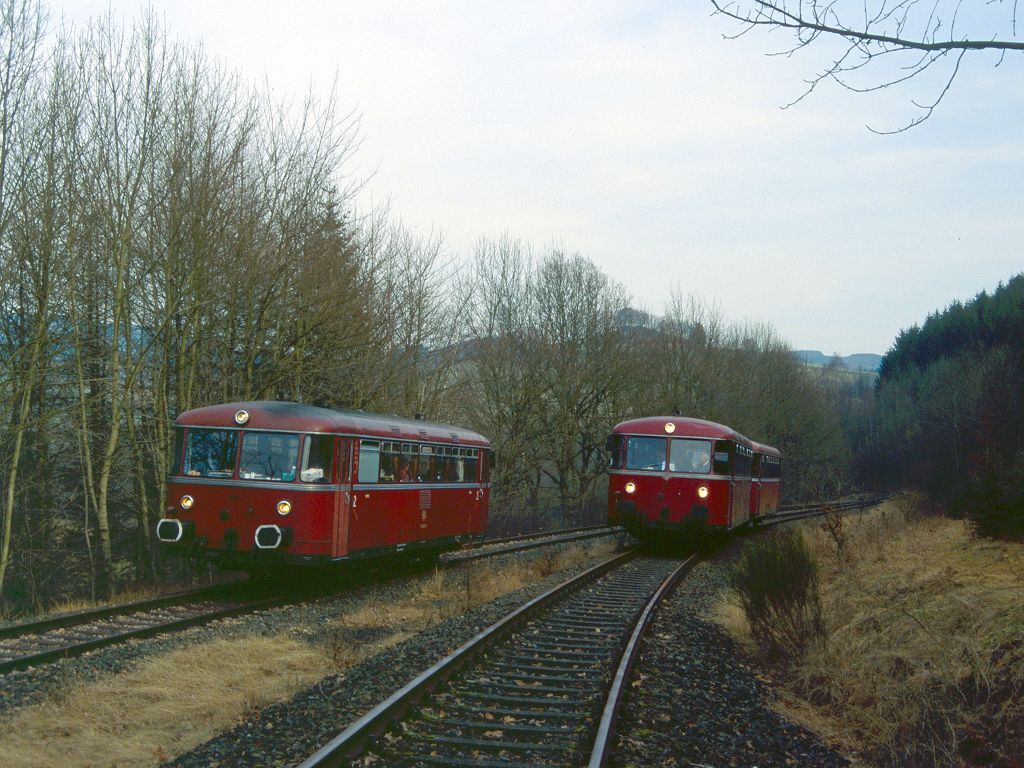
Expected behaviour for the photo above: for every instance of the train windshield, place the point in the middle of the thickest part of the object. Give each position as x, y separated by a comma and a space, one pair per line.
645, 453
690, 456
211, 452
269, 456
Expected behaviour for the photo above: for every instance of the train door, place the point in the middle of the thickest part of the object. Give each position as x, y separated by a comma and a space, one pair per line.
343, 495
756, 490
724, 468
478, 522
741, 486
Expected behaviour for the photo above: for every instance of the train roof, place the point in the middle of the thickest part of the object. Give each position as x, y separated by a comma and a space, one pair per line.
299, 417
767, 450
680, 427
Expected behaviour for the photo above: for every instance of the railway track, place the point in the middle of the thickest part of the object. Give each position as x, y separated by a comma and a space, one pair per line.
539, 688
30, 644
492, 547
793, 512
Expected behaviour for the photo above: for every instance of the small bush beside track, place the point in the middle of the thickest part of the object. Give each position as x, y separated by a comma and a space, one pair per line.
776, 583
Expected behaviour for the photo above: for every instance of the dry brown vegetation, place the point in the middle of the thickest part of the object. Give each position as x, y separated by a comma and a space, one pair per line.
146, 716
923, 664
167, 705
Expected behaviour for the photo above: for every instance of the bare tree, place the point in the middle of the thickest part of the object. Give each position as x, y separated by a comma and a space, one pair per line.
27, 309
503, 380
583, 367
902, 38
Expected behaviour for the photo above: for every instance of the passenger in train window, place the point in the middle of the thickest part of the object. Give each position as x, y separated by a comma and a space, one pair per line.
387, 465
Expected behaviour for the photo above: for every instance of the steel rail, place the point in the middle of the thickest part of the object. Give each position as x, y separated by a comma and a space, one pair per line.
531, 541
606, 729
553, 532
816, 510
66, 620
31, 632
352, 741
80, 647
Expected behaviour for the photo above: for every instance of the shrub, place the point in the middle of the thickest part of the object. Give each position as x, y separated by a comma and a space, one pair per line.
776, 582
996, 501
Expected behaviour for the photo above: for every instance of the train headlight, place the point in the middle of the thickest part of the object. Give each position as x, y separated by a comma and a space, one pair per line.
241, 417
703, 491
284, 508
186, 502
670, 427
630, 487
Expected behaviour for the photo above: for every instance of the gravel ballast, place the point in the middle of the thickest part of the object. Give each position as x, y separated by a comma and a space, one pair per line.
287, 733
695, 698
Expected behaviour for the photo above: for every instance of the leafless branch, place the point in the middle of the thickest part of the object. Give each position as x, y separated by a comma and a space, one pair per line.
877, 30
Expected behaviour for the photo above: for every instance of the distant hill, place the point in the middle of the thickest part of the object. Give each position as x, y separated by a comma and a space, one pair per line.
864, 361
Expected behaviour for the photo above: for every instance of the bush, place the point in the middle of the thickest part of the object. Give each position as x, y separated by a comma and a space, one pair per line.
776, 582
996, 502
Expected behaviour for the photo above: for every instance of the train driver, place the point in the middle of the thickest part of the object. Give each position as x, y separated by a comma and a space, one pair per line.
700, 460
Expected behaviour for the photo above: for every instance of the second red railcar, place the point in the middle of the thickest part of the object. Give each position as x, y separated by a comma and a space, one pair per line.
674, 475
766, 481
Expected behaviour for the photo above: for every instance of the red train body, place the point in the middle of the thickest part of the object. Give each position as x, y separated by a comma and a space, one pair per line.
765, 481
674, 475
256, 483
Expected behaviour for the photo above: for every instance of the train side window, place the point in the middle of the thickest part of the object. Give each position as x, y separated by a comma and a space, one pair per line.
756, 466
317, 456
344, 468
179, 446
389, 453
472, 460
456, 466
407, 464
723, 457
743, 457
369, 461
487, 465
616, 448
427, 464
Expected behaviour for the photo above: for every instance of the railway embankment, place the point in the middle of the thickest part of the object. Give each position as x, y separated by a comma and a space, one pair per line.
922, 658
265, 688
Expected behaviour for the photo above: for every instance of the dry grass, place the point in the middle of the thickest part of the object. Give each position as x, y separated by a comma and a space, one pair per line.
923, 662
166, 706
129, 594
176, 701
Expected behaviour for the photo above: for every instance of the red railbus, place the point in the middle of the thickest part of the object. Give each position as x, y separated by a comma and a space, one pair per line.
670, 474
255, 483
766, 481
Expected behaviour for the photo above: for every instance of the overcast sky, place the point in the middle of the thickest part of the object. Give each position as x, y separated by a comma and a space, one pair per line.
633, 133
